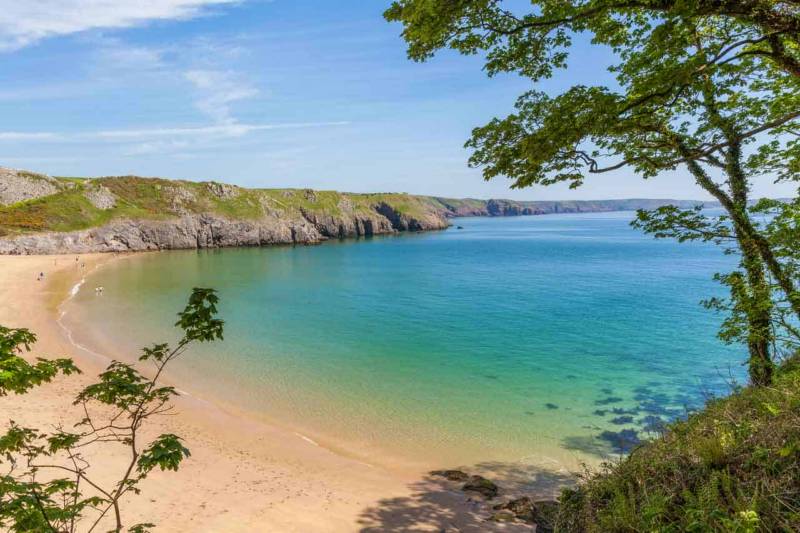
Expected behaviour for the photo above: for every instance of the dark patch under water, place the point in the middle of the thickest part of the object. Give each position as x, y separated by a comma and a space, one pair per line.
606, 401
620, 420
622, 411
656, 408
621, 441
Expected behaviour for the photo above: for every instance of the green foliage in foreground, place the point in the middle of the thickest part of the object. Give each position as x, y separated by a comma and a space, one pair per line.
734, 466
46, 479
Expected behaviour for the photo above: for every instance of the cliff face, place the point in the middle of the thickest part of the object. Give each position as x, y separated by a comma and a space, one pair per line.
44, 215
206, 231
134, 214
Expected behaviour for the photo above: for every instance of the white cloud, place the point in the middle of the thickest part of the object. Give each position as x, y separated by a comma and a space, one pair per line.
23, 22
218, 89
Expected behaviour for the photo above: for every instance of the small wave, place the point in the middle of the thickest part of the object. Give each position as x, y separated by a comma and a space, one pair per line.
62, 312
307, 439
76, 288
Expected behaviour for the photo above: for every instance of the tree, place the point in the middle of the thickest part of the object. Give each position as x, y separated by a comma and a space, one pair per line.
48, 484
711, 87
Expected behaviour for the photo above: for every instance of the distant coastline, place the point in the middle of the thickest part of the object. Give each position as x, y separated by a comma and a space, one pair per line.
43, 215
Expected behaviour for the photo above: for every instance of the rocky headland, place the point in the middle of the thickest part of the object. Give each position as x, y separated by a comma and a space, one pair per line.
48, 215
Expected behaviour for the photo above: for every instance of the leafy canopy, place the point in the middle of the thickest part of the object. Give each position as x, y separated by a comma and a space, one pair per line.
669, 57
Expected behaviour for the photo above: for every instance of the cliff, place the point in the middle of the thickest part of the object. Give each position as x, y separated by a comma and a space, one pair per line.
45, 215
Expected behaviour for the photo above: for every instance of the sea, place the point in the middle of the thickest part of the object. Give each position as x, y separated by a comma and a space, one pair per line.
556, 341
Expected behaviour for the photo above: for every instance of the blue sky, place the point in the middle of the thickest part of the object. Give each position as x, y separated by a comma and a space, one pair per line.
281, 93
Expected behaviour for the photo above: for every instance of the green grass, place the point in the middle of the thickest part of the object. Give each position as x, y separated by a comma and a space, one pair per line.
319, 202
246, 205
67, 210
408, 204
734, 466
75, 180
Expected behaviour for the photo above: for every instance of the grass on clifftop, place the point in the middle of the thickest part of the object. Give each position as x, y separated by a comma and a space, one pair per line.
64, 211
732, 467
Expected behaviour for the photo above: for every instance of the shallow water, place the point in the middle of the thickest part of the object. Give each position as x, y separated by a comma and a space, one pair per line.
548, 340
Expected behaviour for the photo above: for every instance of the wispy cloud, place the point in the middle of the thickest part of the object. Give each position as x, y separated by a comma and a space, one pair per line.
217, 90
213, 131
28, 136
115, 55
221, 130
23, 22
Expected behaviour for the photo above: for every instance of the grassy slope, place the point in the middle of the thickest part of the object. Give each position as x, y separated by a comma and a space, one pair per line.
149, 198
734, 466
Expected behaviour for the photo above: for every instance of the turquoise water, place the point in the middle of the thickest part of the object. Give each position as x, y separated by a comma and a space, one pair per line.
551, 339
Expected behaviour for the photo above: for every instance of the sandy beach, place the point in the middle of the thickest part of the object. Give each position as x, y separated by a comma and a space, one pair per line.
243, 475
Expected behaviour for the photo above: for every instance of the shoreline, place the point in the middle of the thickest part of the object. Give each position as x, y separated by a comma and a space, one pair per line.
239, 398
197, 397
244, 474
220, 443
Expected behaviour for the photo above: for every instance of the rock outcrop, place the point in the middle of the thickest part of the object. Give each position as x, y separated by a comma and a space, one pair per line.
19, 185
101, 197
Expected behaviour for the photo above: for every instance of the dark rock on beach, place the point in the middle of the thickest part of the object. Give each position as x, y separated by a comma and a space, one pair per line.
451, 475
521, 509
486, 488
525, 509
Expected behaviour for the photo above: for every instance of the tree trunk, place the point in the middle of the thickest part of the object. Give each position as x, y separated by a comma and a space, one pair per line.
759, 310
756, 299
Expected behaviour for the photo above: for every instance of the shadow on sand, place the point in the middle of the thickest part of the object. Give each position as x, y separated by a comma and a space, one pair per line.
439, 505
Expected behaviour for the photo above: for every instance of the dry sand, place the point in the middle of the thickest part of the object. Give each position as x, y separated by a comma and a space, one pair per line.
242, 475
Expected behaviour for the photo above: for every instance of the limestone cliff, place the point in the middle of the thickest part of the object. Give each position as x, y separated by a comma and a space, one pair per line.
44, 215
